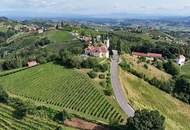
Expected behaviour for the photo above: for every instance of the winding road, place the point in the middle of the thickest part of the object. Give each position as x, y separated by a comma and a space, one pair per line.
120, 97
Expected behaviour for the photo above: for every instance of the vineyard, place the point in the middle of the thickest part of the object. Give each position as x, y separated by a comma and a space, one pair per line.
63, 88
28, 123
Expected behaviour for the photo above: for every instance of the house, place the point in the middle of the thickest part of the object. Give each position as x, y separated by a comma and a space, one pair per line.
86, 38
156, 55
40, 31
100, 50
180, 60
32, 63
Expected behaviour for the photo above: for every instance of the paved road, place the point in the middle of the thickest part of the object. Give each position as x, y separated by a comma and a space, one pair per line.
118, 88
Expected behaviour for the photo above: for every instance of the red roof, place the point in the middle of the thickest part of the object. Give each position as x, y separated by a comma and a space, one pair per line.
154, 54
147, 54
95, 49
139, 53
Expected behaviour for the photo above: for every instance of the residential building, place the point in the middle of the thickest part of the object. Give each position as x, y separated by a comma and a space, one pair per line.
180, 60
32, 63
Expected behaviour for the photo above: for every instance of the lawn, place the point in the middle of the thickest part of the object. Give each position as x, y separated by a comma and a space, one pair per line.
8, 122
151, 72
142, 95
61, 88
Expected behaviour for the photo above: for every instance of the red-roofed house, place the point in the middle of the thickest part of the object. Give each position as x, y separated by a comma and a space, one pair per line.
147, 54
101, 50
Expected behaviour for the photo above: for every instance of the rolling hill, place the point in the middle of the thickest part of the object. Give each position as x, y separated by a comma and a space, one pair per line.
142, 95
61, 88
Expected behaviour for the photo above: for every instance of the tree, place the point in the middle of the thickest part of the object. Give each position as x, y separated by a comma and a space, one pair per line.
57, 27
172, 68
119, 48
146, 120
92, 74
62, 24
20, 110
3, 95
62, 116
182, 89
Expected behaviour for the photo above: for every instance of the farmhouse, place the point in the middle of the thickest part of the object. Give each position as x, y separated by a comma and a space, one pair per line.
147, 54
180, 60
86, 38
98, 50
32, 63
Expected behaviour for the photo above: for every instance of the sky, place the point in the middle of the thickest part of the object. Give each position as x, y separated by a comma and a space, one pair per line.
94, 7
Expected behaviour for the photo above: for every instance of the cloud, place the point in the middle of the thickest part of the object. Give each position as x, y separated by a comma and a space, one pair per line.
94, 6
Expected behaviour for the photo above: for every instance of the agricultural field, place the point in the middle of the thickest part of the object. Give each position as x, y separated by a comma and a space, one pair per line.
150, 72
60, 88
185, 70
58, 36
142, 95
8, 122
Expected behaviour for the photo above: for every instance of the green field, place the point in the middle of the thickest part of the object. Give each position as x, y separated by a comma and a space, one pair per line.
185, 70
8, 122
58, 36
61, 88
142, 95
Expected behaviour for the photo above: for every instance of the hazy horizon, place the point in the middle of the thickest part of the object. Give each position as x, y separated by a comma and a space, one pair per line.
49, 8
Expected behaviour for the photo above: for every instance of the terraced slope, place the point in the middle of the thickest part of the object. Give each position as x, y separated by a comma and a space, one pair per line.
143, 95
63, 89
7, 122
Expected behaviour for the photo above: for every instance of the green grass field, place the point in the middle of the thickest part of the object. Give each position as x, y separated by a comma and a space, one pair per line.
185, 70
8, 122
61, 88
142, 95
58, 36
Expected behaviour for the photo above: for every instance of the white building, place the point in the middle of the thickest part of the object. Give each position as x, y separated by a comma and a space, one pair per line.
180, 60
40, 31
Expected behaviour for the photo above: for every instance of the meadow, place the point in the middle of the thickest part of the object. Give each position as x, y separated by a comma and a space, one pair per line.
58, 36
8, 122
142, 95
61, 88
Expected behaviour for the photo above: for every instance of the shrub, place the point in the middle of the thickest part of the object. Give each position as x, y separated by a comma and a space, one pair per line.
103, 67
20, 110
108, 92
92, 74
145, 66
62, 116
3, 95
102, 76
103, 84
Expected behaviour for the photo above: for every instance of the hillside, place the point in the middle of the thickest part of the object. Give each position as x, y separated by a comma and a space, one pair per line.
149, 72
142, 95
30, 122
185, 70
61, 88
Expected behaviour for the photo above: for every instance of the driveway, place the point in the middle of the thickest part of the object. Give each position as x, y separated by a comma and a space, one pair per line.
118, 91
